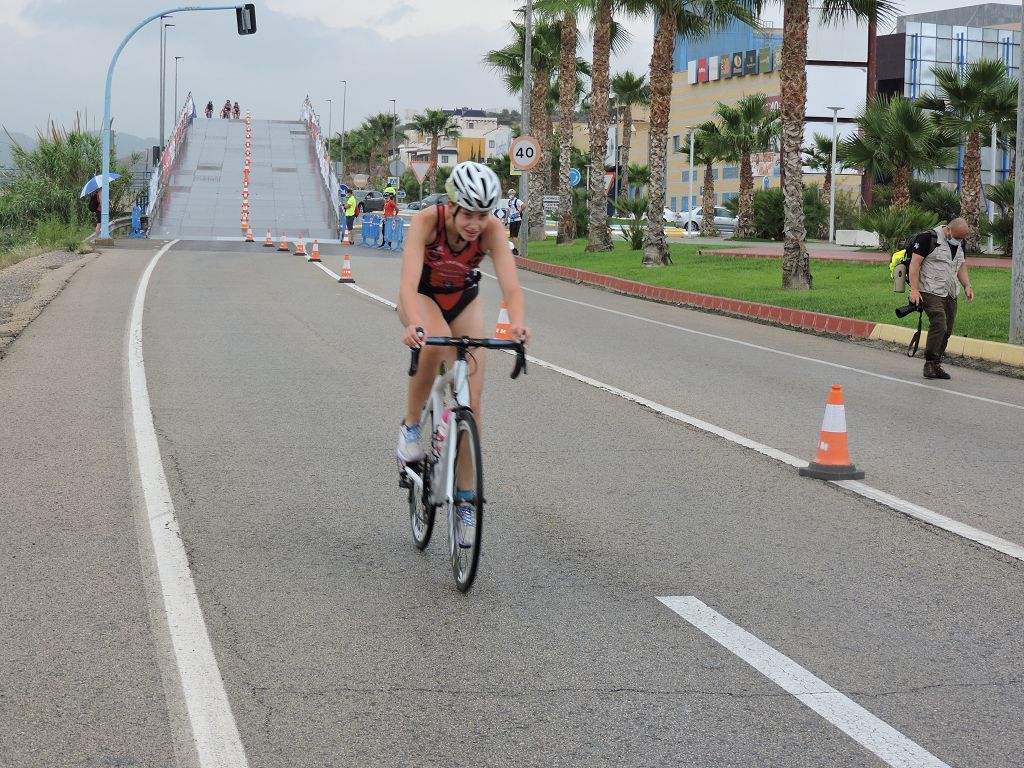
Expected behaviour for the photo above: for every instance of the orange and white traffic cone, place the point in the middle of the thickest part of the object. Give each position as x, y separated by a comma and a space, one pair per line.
248, 236
347, 239
284, 243
269, 242
346, 272
833, 459
502, 331
314, 255
300, 247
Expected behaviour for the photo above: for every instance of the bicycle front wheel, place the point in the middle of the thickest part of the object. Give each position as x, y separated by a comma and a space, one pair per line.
466, 518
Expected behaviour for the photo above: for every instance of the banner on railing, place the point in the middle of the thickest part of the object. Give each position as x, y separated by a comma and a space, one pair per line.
320, 149
174, 145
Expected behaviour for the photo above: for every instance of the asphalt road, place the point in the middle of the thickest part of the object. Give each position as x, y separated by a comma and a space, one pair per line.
276, 393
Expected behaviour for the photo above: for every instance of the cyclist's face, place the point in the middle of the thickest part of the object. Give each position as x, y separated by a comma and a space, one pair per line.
469, 224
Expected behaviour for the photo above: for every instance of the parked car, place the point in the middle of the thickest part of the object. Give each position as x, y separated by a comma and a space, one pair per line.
724, 221
368, 200
668, 216
436, 198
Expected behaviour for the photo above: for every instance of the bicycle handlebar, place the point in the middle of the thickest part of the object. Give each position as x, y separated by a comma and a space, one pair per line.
467, 343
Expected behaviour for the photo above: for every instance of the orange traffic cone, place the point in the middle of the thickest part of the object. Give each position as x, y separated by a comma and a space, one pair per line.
347, 239
314, 255
346, 272
300, 247
248, 236
833, 459
269, 242
284, 243
502, 331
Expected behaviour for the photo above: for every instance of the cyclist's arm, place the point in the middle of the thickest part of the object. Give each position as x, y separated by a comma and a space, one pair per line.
496, 241
420, 228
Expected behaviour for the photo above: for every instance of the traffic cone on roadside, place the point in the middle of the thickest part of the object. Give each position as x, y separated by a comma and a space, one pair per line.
347, 239
248, 236
300, 247
284, 243
833, 459
314, 255
346, 272
502, 331
269, 242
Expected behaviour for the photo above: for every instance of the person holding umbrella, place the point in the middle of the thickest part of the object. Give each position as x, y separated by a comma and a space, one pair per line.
94, 187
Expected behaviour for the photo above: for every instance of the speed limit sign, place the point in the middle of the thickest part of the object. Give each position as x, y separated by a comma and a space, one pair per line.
524, 153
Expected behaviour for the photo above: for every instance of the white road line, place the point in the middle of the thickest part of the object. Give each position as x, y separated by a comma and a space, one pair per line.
215, 734
772, 350
357, 289
902, 506
852, 719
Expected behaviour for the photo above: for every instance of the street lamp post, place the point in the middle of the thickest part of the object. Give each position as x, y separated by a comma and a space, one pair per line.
176, 60
832, 170
163, 75
394, 123
689, 200
524, 178
330, 119
341, 152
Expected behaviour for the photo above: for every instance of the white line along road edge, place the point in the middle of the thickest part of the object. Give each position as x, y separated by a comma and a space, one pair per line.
215, 734
852, 719
902, 506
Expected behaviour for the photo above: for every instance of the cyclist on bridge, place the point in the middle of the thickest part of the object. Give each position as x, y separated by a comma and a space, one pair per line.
439, 291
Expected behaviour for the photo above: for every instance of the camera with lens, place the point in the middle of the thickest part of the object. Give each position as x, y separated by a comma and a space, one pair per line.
902, 312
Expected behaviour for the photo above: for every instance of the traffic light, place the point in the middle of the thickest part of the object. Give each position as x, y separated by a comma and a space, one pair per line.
246, 17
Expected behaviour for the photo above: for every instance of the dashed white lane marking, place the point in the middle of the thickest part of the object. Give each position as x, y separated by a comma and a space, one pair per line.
772, 350
902, 506
852, 719
215, 734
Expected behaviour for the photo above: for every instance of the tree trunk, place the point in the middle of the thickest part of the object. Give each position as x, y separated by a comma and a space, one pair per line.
826, 192
707, 222
566, 105
656, 251
901, 188
599, 237
431, 178
866, 182
970, 192
627, 129
745, 224
796, 265
537, 177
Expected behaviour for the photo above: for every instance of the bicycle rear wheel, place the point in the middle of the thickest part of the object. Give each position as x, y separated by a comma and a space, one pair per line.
469, 477
421, 511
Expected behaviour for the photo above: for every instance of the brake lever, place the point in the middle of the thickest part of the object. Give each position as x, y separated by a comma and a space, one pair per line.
520, 366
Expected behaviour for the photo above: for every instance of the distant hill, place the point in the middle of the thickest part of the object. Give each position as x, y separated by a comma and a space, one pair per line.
126, 145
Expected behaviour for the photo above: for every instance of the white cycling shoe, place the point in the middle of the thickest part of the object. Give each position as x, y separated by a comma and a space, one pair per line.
409, 449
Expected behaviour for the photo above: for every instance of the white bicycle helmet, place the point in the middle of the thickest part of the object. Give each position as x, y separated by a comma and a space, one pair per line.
473, 186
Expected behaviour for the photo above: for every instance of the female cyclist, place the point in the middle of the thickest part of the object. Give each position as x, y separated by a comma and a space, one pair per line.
439, 291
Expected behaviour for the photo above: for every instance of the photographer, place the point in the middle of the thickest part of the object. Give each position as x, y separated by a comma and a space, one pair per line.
937, 270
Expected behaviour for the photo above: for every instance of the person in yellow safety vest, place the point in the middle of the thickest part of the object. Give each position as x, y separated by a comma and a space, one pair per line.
389, 190
350, 210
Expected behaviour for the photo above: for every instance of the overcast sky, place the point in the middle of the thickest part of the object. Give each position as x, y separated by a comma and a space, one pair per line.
424, 53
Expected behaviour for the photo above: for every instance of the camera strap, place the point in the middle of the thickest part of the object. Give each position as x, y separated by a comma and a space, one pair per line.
915, 340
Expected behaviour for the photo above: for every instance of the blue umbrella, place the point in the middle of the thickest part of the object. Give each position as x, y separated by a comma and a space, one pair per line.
95, 183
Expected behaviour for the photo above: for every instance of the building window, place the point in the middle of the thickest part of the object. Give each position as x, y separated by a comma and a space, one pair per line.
714, 174
471, 124
675, 143
731, 172
673, 204
491, 144
726, 196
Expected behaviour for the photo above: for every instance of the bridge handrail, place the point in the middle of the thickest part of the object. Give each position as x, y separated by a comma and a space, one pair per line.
321, 153
158, 181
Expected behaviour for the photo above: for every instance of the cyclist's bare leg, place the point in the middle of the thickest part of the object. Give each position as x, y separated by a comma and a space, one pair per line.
430, 357
470, 322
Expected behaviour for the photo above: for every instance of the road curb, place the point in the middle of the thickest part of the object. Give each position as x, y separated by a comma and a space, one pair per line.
1006, 354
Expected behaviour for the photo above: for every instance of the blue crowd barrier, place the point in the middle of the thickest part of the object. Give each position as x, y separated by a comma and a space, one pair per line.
393, 234
370, 229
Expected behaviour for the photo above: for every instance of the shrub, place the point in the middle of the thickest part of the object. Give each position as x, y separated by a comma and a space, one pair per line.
894, 226
633, 208
944, 203
769, 212
581, 211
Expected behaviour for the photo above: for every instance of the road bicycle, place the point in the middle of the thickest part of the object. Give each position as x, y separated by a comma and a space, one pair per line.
453, 462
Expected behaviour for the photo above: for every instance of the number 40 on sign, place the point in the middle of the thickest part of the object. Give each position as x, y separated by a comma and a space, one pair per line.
524, 154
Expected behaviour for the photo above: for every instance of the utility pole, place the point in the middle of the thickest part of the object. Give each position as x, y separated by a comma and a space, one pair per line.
1017, 287
394, 123
341, 152
524, 179
163, 75
176, 60
330, 118
832, 174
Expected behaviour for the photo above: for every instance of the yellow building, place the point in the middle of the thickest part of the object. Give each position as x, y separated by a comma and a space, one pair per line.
640, 136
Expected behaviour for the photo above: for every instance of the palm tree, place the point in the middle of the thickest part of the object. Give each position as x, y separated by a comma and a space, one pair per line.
544, 60
747, 127
435, 123
1001, 195
896, 138
967, 102
639, 176
818, 157
708, 148
629, 90
675, 17
380, 128
796, 266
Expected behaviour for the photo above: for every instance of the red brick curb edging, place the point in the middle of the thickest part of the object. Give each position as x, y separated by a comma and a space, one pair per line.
798, 318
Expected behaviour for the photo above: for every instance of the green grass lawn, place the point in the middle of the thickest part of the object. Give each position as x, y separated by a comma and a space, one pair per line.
862, 291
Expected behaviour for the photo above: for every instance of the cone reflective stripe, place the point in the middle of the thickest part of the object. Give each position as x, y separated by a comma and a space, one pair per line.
284, 242
502, 331
314, 255
832, 461
269, 242
248, 236
300, 247
346, 272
